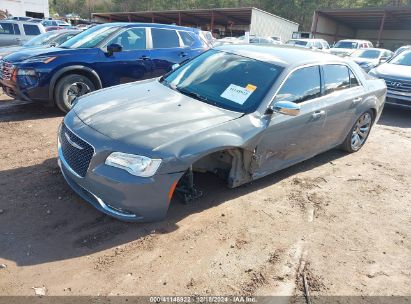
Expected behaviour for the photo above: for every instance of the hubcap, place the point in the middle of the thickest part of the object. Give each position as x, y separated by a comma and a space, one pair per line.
361, 130
77, 89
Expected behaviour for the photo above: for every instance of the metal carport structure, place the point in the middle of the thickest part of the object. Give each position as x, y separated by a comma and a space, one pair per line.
227, 21
387, 27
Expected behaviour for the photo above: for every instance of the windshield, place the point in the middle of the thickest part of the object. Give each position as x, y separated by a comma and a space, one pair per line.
225, 80
297, 42
89, 38
346, 45
368, 54
403, 58
42, 39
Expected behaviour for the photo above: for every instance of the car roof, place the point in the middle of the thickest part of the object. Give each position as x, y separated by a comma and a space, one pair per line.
306, 39
133, 24
18, 21
283, 55
375, 49
355, 40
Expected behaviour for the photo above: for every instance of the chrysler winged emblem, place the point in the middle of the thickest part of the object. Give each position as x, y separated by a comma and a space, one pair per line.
72, 142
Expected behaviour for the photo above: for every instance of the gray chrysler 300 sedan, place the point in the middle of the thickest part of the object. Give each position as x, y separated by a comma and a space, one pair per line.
240, 111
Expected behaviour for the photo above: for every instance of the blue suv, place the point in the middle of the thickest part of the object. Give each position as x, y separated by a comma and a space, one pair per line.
103, 56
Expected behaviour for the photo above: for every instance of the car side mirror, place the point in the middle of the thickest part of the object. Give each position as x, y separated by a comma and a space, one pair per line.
175, 66
114, 48
286, 108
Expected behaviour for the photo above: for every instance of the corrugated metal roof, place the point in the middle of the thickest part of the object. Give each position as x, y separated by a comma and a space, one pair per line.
371, 18
221, 16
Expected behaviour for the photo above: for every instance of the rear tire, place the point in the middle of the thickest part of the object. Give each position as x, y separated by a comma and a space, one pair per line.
358, 134
68, 88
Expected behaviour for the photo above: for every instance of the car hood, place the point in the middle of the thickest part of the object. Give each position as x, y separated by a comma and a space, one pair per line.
44, 51
11, 49
394, 71
148, 114
341, 51
362, 61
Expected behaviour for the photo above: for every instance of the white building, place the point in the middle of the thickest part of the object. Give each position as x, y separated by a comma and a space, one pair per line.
29, 8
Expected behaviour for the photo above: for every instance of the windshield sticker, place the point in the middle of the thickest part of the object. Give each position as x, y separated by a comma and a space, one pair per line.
251, 87
238, 94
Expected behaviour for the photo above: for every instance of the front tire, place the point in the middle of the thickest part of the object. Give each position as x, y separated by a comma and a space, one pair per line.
68, 88
358, 134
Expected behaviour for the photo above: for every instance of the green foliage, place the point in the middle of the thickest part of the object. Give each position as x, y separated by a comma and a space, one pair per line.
300, 11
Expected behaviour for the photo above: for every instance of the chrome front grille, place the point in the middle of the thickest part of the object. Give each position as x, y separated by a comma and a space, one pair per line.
6, 70
76, 152
398, 85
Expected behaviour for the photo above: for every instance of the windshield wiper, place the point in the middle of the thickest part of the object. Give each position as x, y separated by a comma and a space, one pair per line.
192, 94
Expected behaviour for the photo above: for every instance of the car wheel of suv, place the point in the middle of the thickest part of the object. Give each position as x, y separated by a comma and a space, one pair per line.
358, 134
68, 88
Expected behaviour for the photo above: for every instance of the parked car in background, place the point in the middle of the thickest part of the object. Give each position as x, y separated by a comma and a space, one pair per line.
59, 23
276, 39
370, 58
127, 149
319, 44
14, 32
348, 46
397, 75
102, 56
401, 49
47, 39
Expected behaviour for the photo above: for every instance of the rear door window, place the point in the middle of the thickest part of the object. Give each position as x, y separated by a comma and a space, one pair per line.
16, 29
6, 28
353, 80
164, 39
318, 45
31, 29
336, 78
302, 85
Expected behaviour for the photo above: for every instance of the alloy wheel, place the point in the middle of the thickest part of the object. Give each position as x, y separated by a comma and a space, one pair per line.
77, 89
361, 131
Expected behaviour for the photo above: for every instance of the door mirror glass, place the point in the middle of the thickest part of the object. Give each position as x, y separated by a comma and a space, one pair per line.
287, 108
114, 48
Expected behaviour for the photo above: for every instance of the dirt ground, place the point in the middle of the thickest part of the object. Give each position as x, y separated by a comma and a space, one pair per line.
342, 220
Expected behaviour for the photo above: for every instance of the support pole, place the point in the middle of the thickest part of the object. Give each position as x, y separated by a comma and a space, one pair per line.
212, 22
381, 28
179, 18
315, 23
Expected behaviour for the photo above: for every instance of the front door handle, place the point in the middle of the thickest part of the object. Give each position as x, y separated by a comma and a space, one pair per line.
183, 54
318, 114
144, 57
357, 100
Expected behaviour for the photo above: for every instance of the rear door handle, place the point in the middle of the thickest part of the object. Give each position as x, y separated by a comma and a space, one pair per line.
357, 100
318, 114
183, 54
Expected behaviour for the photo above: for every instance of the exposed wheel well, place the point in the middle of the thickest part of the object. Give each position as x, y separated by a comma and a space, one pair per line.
232, 165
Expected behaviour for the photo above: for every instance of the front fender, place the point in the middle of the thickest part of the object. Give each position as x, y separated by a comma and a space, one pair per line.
243, 133
73, 68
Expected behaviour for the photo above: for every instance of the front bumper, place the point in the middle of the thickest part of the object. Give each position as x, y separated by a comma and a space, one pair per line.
398, 99
119, 194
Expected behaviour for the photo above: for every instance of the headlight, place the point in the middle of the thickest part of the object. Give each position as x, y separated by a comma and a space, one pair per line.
24, 72
44, 59
134, 164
